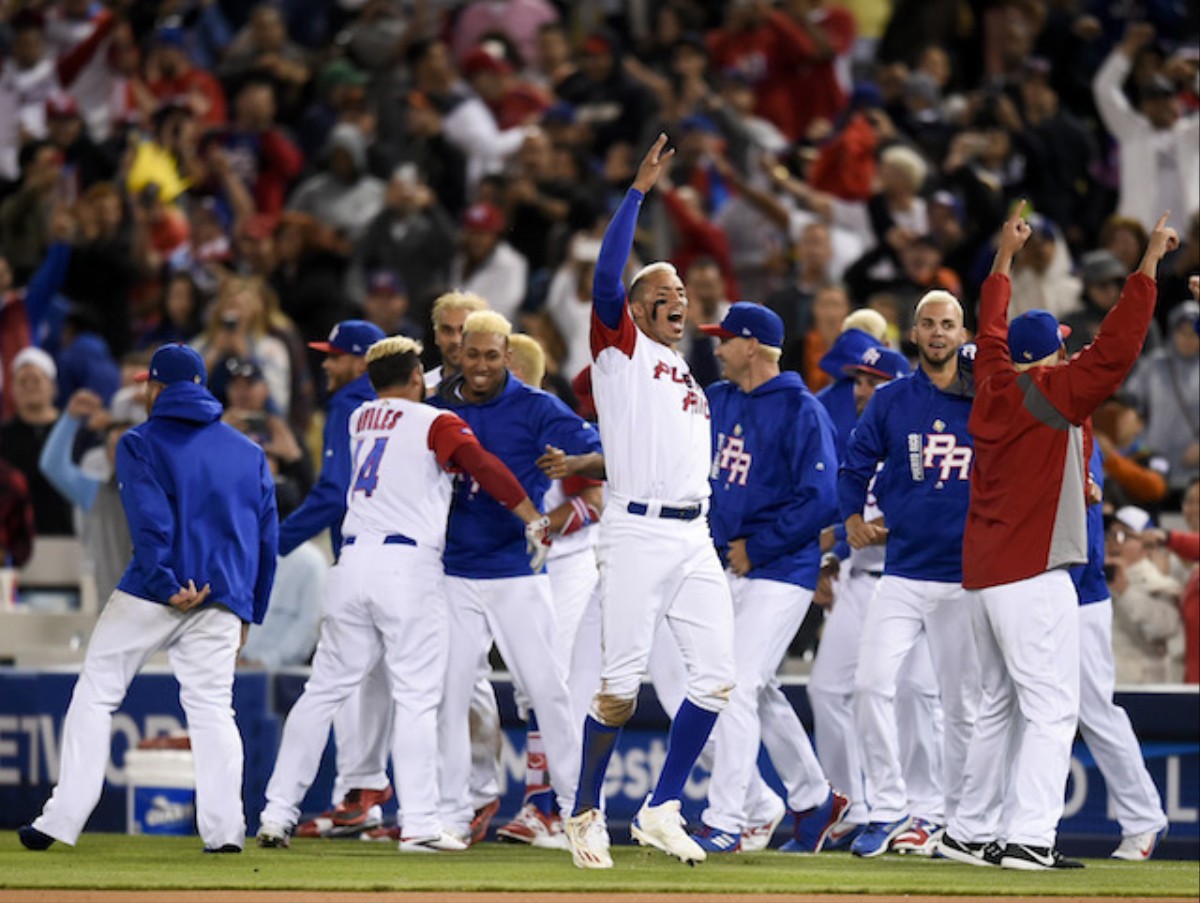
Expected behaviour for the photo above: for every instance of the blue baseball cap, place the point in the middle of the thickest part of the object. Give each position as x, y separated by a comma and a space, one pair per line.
1034, 335
350, 337
177, 364
747, 320
879, 361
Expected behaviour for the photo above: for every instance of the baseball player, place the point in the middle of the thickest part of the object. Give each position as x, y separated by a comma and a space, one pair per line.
450, 312
917, 429
200, 502
773, 490
861, 330
385, 592
571, 567
1104, 725
657, 558
1028, 522
831, 684
491, 596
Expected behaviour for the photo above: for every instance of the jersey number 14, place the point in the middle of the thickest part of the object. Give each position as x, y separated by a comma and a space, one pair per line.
368, 471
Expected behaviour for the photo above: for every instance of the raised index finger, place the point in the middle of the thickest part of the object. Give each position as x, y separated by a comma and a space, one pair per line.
1162, 221
1019, 209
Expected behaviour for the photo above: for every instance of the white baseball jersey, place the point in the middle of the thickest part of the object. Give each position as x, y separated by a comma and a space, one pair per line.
399, 483
654, 420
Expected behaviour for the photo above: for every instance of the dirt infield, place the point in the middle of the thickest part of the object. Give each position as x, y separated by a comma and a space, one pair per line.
245, 896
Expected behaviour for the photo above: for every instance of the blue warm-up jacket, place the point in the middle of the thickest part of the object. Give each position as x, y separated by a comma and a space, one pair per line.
838, 397
200, 502
484, 539
920, 433
774, 476
325, 506
1089, 578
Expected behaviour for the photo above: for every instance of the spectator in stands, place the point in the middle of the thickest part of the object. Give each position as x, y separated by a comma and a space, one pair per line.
696, 236
308, 274
16, 517
170, 75
708, 301
831, 306
387, 306
25, 214
85, 361
813, 255
345, 196
1042, 276
179, 316
263, 50
1160, 148
1124, 238
86, 161
239, 327
1136, 473
414, 235
342, 97
1102, 275
1166, 383
1186, 545
543, 208
104, 530
487, 265
613, 107
513, 101
260, 153
569, 303
14, 331
249, 410
520, 21
22, 437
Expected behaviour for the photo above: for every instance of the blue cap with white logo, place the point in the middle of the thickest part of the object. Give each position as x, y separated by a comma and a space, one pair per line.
350, 337
879, 361
177, 364
747, 320
1034, 335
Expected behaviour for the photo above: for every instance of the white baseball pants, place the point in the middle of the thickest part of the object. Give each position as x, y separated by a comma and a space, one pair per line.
1106, 729
517, 612
202, 647
899, 613
767, 614
384, 600
1027, 635
575, 586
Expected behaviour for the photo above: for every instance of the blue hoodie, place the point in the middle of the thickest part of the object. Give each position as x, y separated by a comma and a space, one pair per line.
200, 502
325, 506
920, 433
838, 398
1089, 578
484, 540
774, 476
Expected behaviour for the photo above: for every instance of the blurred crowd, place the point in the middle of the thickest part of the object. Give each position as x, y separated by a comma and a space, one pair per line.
243, 176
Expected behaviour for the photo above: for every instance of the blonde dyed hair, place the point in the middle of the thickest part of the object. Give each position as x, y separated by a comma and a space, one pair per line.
660, 266
457, 300
487, 322
770, 352
934, 297
872, 322
528, 357
908, 161
392, 346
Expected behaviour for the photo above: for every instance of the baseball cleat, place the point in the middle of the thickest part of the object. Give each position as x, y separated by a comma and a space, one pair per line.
358, 811
433, 843
1139, 847
587, 837
273, 836
224, 848
534, 827
480, 821
714, 840
985, 853
842, 836
384, 833
662, 827
757, 838
876, 838
1026, 858
813, 826
921, 838
33, 839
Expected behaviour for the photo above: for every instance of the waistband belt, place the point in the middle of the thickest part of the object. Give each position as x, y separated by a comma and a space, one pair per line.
392, 539
687, 512
864, 572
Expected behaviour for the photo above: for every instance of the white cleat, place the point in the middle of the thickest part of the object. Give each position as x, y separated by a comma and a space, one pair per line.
433, 843
662, 827
587, 838
756, 838
1139, 847
273, 836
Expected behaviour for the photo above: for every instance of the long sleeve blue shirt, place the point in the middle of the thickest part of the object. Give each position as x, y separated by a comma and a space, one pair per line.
838, 397
325, 506
484, 540
200, 502
774, 476
920, 434
608, 292
1089, 578
56, 464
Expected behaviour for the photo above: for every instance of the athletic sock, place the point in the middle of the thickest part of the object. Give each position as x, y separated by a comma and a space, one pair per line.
689, 731
537, 777
599, 740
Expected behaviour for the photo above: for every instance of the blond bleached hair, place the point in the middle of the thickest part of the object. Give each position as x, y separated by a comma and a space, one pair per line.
908, 161
872, 322
457, 300
938, 296
528, 359
487, 322
659, 266
770, 352
394, 345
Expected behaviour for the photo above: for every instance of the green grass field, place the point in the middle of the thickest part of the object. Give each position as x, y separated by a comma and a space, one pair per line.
109, 861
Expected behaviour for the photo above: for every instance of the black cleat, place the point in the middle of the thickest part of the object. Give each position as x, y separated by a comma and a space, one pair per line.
224, 848
1035, 859
983, 853
33, 839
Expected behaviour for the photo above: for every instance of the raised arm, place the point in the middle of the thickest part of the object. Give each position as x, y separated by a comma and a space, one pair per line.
992, 341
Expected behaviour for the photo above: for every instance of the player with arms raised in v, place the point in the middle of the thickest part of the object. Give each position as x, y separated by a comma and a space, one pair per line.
657, 559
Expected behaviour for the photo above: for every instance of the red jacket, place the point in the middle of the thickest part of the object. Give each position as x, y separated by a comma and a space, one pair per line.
1028, 511
1187, 545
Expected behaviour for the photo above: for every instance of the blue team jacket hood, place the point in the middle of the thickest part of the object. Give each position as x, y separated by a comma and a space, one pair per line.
846, 350
187, 401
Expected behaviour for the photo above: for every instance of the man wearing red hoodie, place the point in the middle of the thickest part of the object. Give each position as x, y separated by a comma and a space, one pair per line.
1026, 525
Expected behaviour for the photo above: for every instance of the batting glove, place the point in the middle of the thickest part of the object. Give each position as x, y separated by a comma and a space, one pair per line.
537, 542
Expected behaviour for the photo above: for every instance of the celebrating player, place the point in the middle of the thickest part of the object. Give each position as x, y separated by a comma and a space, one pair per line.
1027, 522
917, 428
200, 502
774, 484
656, 555
385, 592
